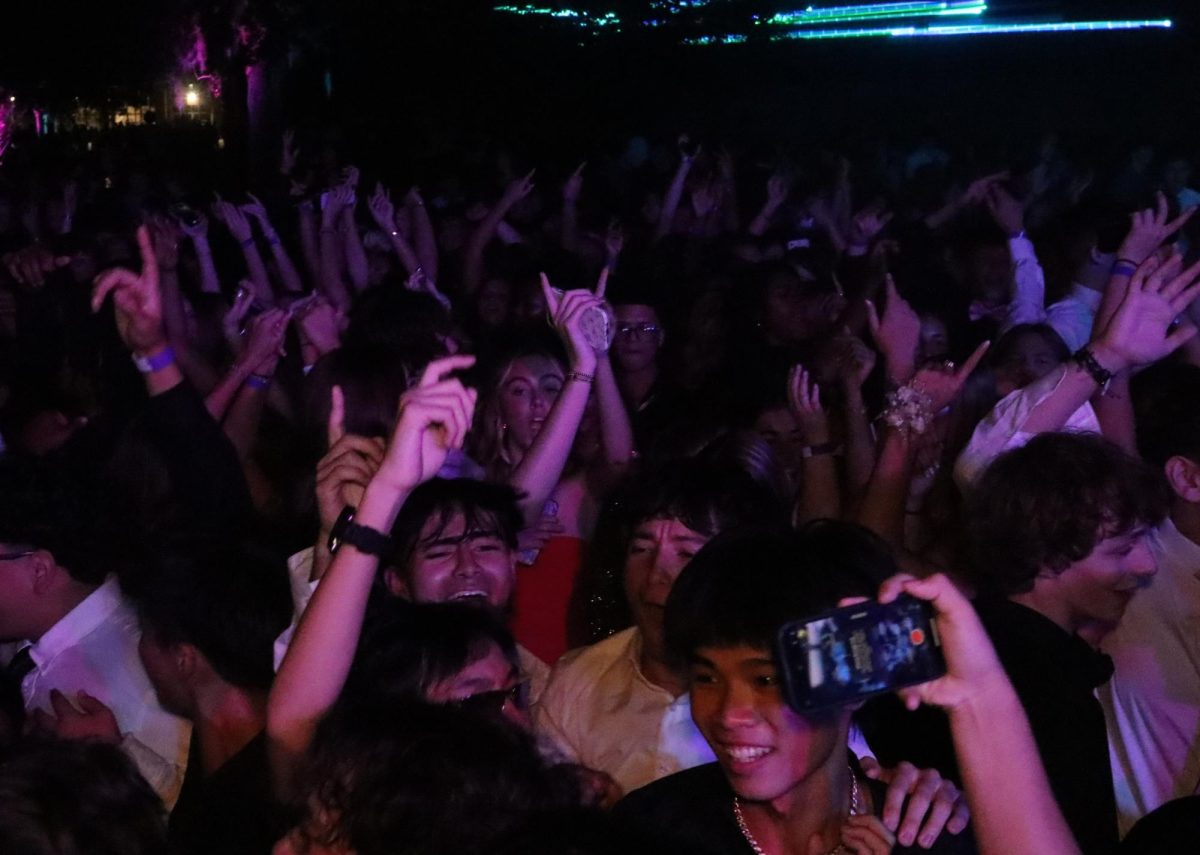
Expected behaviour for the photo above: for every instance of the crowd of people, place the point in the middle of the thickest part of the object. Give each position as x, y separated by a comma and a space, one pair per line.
342, 516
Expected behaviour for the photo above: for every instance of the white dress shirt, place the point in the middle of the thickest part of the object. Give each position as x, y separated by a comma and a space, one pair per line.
1152, 704
302, 584
600, 711
94, 649
1071, 317
1003, 428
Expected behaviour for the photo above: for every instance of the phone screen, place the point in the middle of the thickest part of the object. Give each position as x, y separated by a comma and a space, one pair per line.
850, 654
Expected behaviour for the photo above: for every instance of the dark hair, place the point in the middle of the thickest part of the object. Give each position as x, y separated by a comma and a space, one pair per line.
1046, 505
84, 798
229, 599
408, 648
1166, 399
741, 587
485, 505
42, 507
425, 780
707, 497
1007, 343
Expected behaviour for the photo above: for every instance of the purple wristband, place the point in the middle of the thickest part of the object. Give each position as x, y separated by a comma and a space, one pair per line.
1124, 269
157, 362
258, 381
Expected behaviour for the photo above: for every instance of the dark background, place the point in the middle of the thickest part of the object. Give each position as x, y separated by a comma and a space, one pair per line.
401, 68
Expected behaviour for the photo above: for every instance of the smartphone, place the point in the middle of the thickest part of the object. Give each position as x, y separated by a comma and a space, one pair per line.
186, 214
849, 654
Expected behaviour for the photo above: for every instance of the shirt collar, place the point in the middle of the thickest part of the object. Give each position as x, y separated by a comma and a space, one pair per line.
1177, 548
93, 611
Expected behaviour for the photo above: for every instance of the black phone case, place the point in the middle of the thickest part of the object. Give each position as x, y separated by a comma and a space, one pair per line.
859, 651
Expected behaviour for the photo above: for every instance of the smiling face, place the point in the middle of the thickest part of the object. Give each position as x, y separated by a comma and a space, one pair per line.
473, 565
657, 554
527, 392
1094, 591
765, 749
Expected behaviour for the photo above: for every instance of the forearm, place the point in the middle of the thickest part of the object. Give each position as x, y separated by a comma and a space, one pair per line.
209, 283
666, 218
616, 432
820, 496
569, 232
1028, 304
243, 418
1114, 411
1073, 390
407, 257
945, 214
332, 284
259, 280
860, 444
541, 469
1012, 806
310, 243
425, 241
356, 256
883, 505
219, 400
480, 238
762, 220
290, 276
174, 316
315, 668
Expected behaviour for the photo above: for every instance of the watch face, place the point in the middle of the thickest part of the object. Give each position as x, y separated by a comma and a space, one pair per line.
339, 528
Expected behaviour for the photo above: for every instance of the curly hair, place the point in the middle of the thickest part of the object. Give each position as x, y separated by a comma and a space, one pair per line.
1048, 504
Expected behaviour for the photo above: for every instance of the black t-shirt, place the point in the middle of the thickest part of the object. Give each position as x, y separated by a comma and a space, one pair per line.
1055, 675
231, 811
692, 812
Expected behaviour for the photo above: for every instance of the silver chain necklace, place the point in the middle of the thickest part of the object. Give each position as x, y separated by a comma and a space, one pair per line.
840, 849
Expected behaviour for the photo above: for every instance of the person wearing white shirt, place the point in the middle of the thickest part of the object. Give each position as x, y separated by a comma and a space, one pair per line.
1152, 704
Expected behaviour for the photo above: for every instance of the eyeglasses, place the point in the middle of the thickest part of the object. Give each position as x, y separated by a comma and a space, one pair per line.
638, 330
13, 556
493, 703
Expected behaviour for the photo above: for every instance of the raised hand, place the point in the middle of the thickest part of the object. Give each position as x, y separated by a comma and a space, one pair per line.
574, 185
804, 400
234, 220
1141, 331
197, 232
614, 241
264, 341
164, 234
347, 467
977, 190
568, 311
231, 323
382, 210
517, 190
779, 186
434, 417
413, 198
855, 361
897, 333
943, 384
256, 209
868, 223
350, 177
291, 154
28, 267
1005, 209
972, 667
1148, 229
318, 326
137, 300
337, 200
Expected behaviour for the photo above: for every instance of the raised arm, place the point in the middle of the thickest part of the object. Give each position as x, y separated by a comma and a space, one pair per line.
1012, 806
423, 237
352, 245
670, 205
239, 226
198, 235
486, 230
616, 432
332, 283
820, 495
541, 468
434, 418
384, 213
569, 231
778, 189
290, 277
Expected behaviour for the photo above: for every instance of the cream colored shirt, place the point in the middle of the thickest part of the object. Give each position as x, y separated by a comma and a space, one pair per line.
601, 711
1152, 704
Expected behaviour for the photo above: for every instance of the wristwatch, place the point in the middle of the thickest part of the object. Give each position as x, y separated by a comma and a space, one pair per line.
364, 539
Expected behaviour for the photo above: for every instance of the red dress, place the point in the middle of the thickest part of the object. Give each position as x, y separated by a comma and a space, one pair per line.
543, 598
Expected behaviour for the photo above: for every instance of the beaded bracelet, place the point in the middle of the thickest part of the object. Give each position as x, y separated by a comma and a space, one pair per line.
909, 410
580, 376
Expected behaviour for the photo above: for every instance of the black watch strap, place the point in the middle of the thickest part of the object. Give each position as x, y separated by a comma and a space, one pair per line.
1088, 362
362, 538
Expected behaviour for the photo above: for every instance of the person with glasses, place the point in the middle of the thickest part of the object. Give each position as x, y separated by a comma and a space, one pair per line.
636, 348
